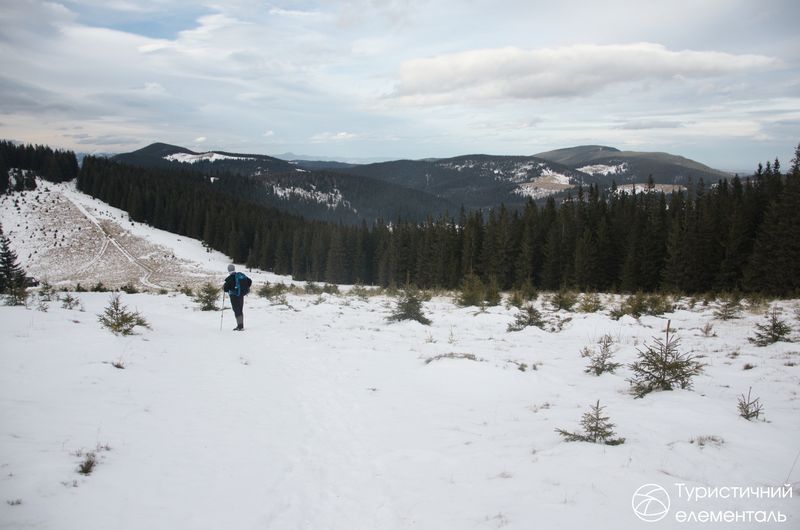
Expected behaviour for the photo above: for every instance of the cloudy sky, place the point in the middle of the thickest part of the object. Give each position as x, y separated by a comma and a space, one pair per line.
713, 80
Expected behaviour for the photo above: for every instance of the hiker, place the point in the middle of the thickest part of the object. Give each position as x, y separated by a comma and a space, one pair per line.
237, 285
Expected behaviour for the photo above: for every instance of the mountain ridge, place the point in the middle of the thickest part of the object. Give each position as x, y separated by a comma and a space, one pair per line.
415, 189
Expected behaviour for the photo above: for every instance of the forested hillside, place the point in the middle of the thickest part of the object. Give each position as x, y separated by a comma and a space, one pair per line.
733, 235
18, 163
479, 181
319, 194
737, 234
628, 167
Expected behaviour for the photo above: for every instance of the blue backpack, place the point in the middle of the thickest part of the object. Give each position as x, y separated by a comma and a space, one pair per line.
243, 284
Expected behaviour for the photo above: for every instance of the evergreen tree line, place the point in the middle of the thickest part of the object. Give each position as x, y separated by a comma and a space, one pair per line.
49, 164
739, 234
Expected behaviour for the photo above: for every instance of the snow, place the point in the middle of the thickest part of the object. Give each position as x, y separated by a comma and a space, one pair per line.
332, 199
603, 169
502, 170
322, 415
642, 187
548, 183
64, 236
191, 158
559, 178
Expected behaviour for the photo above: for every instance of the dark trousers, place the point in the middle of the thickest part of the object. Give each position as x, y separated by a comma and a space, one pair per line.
237, 303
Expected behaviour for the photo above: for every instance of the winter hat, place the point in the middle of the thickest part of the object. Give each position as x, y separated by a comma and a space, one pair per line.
231, 268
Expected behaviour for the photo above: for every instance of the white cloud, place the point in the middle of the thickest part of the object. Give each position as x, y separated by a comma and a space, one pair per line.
200, 139
513, 73
137, 6
638, 125
326, 137
154, 88
294, 13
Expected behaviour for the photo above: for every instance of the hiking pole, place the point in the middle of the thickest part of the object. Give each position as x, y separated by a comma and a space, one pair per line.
222, 313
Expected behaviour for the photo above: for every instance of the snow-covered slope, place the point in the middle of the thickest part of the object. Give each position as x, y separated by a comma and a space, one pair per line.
332, 198
548, 183
604, 169
322, 415
533, 178
211, 156
67, 237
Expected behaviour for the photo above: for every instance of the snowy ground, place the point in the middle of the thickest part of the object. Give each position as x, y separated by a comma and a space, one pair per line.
66, 237
321, 415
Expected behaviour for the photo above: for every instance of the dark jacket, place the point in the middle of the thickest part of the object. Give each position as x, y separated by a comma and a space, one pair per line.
230, 283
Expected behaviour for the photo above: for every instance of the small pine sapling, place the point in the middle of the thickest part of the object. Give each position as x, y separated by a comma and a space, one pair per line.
773, 330
662, 367
590, 303
359, 291
600, 361
46, 291
409, 307
207, 297
515, 300
69, 302
596, 428
272, 290
473, 292
563, 299
330, 288
88, 464
729, 307
492, 296
528, 316
41, 305
17, 291
639, 304
118, 319
708, 330
529, 291
312, 288
750, 408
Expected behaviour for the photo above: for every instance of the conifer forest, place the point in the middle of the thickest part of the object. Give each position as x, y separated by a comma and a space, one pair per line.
739, 234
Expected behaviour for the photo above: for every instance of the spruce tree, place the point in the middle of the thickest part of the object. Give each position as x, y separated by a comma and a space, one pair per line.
596, 428
662, 367
118, 319
12, 276
775, 329
409, 307
473, 292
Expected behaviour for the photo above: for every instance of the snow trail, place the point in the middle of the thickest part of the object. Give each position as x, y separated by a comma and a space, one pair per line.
147, 272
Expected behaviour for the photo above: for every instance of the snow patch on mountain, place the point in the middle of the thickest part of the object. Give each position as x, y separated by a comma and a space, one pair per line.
641, 187
549, 183
514, 171
332, 199
605, 170
189, 158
